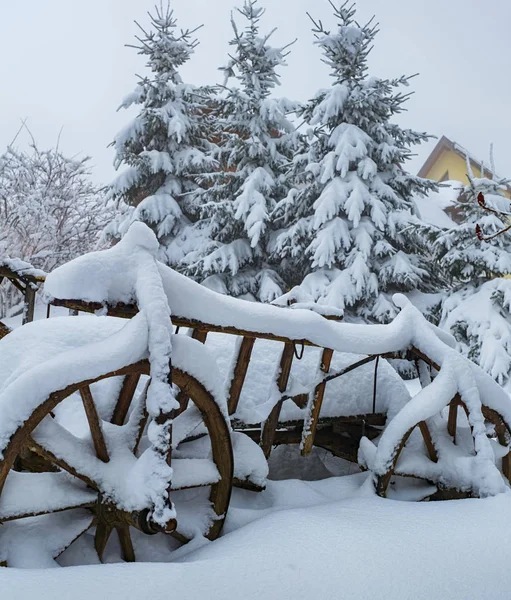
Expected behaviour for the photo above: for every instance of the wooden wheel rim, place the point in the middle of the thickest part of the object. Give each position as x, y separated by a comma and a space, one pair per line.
216, 425
491, 415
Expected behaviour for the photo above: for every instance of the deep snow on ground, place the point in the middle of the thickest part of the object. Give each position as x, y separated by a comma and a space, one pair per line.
311, 540
340, 543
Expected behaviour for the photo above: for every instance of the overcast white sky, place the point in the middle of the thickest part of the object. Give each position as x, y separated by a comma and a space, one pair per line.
64, 65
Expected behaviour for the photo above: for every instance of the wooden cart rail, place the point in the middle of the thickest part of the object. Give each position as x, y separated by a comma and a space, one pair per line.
127, 311
28, 284
340, 435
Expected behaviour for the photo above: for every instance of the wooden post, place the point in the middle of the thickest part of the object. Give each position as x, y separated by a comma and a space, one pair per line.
270, 425
314, 408
29, 304
453, 416
200, 335
4, 330
240, 372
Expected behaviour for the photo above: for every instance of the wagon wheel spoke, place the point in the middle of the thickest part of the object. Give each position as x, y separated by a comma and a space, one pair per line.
138, 418
50, 444
128, 389
179, 537
141, 427
128, 553
92, 522
96, 430
38, 513
60, 462
101, 537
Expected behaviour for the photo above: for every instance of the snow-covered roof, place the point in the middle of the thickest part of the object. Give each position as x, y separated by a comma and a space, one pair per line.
445, 143
433, 206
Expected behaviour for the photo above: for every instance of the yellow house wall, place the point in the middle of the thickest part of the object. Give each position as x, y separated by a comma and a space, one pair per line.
455, 165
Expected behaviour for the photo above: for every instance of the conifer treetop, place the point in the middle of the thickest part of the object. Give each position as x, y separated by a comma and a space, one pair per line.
346, 51
254, 61
255, 150
348, 227
168, 144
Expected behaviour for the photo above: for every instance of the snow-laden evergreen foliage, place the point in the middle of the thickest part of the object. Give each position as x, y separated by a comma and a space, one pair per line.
463, 257
349, 235
256, 148
167, 144
477, 305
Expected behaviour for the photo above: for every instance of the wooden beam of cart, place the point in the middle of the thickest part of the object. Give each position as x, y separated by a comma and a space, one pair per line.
127, 311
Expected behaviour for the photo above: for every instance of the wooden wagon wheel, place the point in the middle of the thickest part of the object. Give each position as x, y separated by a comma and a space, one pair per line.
502, 434
42, 448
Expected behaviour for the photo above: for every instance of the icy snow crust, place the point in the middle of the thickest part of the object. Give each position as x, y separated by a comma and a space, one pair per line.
302, 540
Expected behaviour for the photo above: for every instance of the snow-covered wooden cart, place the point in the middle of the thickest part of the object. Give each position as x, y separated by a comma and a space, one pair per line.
143, 417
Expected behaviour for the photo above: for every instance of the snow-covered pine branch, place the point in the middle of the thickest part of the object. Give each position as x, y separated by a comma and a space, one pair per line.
348, 230
167, 145
256, 146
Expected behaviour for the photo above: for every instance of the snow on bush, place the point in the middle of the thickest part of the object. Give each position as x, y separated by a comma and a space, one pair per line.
50, 212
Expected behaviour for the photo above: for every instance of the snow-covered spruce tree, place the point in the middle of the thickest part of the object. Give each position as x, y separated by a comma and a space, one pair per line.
477, 308
167, 144
256, 148
349, 235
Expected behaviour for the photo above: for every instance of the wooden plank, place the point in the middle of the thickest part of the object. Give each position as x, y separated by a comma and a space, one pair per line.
51, 511
128, 389
18, 285
312, 418
98, 439
270, 425
127, 311
240, 372
301, 399
13, 275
